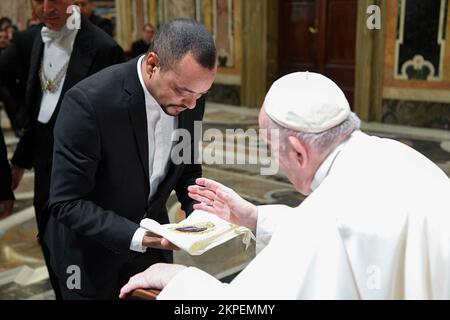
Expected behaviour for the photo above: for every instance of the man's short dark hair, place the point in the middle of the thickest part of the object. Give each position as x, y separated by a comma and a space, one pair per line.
5, 20
182, 36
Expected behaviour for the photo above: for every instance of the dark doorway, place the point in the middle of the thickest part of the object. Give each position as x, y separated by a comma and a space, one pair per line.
319, 36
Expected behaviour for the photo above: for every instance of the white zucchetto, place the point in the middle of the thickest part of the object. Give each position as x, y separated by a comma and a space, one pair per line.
307, 102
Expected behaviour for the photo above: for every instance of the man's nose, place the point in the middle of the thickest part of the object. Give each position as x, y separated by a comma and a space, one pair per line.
191, 102
47, 7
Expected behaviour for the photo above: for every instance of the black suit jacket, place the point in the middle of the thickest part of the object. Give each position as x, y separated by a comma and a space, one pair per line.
14, 68
103, 23
138, 48
5, 172
100, 180
16, 57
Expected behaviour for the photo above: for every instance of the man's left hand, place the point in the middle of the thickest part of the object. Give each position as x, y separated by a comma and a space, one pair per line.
156, 277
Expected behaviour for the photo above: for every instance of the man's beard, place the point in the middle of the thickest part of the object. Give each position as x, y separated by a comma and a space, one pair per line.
177, 109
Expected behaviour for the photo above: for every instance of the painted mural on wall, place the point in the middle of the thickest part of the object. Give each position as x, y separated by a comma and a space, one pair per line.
221, 17
223, 32
417, 53
421, 35
417, 64
218, 16
173, 9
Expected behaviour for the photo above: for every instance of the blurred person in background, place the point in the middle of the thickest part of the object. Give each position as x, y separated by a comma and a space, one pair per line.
12, 29
8, 88
87, 9
142, 45
5, 22
6, 193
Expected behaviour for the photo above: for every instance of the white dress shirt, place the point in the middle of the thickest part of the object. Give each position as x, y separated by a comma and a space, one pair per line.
58, 46
160, 127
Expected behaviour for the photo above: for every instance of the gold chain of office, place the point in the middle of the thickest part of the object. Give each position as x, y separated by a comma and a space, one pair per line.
51, 85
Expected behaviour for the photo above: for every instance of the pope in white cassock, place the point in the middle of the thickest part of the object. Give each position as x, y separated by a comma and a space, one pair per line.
375, 224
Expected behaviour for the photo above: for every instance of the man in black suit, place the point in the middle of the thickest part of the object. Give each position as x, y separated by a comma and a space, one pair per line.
61, 56
6, 193
142, 45
14, 66
5, 88
87, 9
113, 160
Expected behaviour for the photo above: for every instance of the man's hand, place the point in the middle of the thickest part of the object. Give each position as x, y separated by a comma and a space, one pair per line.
6, 208
156, 277
222, 201
154, 241
16, 174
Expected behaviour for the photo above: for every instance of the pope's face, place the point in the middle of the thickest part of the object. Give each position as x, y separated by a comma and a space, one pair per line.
297, 173
286, 156
52, 13
178, 88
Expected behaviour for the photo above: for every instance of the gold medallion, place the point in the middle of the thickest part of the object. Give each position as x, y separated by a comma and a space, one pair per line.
196, 228
50, 86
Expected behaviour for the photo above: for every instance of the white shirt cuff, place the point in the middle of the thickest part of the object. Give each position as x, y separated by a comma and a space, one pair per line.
136, 242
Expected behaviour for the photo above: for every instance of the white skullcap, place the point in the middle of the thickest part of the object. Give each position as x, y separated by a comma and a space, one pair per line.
306, 102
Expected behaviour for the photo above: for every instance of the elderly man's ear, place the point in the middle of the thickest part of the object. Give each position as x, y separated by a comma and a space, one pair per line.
302, 153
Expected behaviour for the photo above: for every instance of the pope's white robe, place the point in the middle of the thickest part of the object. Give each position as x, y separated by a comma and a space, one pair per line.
377, 227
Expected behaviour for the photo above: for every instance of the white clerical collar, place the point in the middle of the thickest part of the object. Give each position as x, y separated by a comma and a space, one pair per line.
326, 165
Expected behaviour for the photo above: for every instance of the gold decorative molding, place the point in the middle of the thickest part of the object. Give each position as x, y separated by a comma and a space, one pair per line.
410, 94
153, 12
254, 73
392, 13
124, 23
370, 54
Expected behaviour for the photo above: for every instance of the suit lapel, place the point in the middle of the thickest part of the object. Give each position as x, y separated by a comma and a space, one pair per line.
81, 59
138, 115
33, 83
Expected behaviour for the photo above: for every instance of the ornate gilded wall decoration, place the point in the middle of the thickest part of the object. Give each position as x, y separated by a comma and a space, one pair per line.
223, 31
172, 9
420, 44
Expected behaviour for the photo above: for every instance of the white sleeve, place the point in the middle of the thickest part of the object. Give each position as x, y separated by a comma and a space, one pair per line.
268, 219
136, 242
192, 284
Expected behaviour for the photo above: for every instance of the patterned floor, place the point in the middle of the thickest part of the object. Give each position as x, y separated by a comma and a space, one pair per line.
22, 271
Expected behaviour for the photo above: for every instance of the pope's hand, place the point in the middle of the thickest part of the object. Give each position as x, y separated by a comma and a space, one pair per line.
156, 277
222, 201
154, 241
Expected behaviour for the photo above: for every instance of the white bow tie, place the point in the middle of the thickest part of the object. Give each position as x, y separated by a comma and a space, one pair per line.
49, 35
